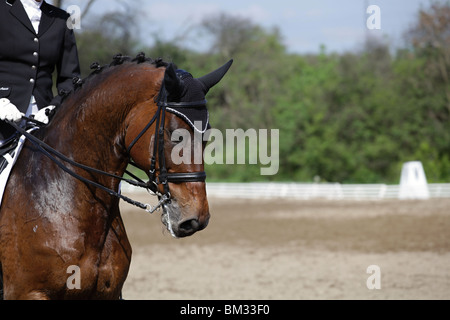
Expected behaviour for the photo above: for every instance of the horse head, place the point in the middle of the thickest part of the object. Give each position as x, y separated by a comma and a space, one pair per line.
180, 185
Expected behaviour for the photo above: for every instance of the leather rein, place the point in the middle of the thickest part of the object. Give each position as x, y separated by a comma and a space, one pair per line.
154, 180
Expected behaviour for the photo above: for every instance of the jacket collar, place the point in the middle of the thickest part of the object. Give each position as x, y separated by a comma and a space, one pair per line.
18, 11
47, 18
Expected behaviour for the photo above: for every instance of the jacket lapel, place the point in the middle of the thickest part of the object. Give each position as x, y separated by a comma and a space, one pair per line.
18, 11
47, 18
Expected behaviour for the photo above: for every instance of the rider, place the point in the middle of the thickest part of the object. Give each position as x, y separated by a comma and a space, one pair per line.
34, 40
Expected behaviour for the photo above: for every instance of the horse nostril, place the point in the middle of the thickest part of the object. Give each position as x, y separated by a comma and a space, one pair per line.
190, 225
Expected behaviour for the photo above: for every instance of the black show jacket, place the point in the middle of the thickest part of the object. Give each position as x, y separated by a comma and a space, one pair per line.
28, 60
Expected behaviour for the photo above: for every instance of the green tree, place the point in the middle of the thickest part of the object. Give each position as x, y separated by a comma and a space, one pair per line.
102, 37
424, 84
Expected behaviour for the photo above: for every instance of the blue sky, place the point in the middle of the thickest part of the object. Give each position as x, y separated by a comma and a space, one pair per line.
340, 25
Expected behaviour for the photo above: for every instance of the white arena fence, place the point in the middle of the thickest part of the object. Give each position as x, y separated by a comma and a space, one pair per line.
309, 191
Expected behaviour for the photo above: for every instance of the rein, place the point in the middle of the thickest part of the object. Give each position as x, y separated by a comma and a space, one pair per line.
163, 178
53, 155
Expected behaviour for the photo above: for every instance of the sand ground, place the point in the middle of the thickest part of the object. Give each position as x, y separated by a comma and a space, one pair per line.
279, 249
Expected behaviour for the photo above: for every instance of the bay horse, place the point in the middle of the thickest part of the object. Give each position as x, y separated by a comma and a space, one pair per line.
51, 221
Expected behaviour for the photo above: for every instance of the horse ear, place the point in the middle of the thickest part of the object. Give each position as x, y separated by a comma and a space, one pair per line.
211, 79
172, 83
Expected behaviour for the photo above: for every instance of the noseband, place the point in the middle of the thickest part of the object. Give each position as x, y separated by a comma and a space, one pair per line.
158, 149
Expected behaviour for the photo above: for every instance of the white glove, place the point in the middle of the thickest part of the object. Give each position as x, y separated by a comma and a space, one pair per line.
42, 115
8, 111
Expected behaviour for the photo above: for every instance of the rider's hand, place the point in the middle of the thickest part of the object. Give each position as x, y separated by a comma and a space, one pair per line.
8, 111
42, 115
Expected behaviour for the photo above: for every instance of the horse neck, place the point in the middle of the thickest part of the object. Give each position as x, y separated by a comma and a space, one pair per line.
91, 126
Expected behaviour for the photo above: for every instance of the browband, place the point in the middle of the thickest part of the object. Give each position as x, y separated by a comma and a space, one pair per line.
186, 104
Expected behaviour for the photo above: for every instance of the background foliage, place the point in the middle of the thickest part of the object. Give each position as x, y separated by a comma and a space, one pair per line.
353, 117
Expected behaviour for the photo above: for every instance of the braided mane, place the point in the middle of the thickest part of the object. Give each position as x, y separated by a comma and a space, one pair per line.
118, 59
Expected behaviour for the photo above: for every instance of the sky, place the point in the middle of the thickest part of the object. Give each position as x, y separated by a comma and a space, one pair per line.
339, 25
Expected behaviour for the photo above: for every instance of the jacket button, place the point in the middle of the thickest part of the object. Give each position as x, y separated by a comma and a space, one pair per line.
33, 67
36, 40
31, 80
35, 54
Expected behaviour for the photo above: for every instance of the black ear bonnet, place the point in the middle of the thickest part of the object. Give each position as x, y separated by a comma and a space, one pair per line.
186, 94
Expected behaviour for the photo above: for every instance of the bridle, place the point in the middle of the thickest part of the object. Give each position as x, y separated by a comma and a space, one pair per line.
163, 178
158, 149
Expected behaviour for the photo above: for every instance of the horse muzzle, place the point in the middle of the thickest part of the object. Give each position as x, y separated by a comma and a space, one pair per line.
183, 222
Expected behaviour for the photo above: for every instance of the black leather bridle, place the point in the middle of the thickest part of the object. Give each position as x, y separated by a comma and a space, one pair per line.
163, 178
158, 149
